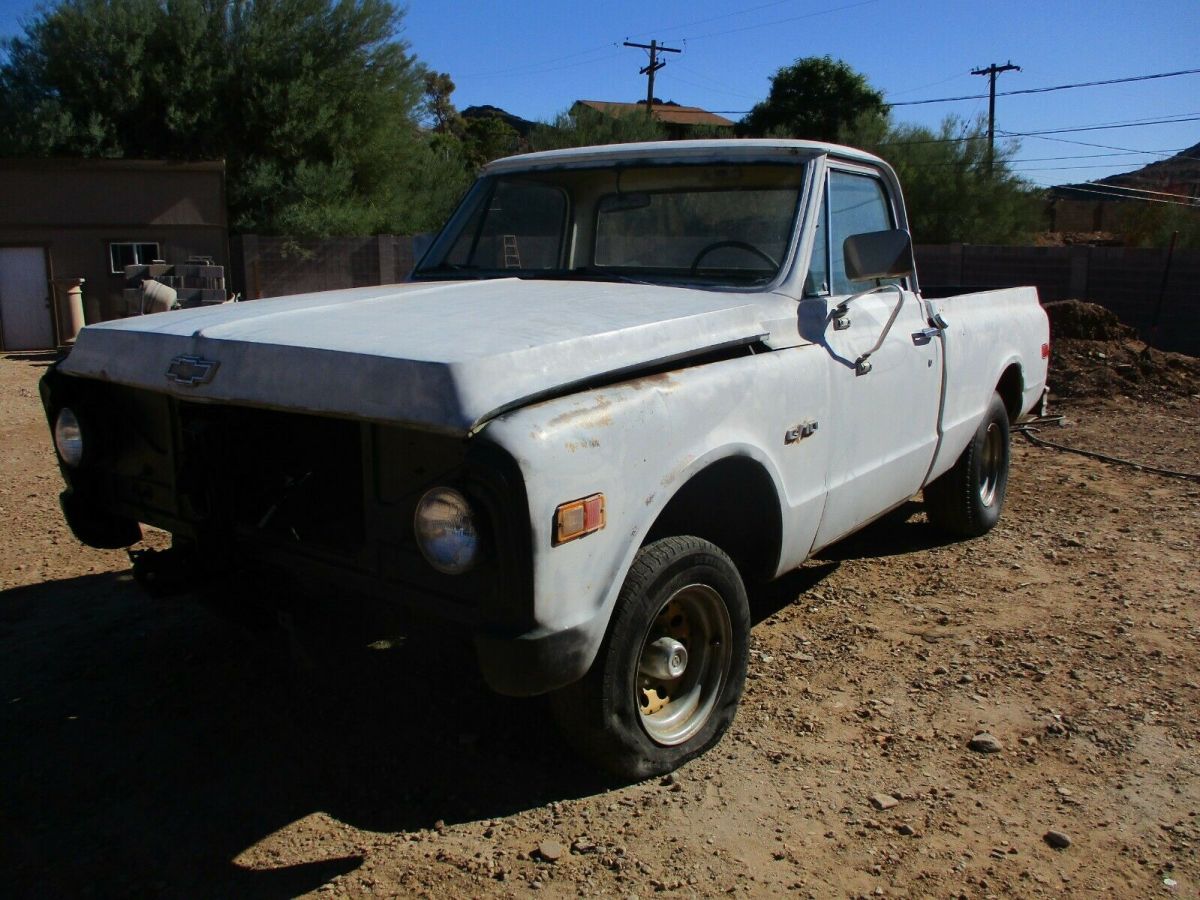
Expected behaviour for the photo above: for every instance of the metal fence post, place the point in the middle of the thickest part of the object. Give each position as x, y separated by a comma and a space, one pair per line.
387, 258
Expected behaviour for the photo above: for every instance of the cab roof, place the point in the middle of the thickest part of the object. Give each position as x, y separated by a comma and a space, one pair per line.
652, 152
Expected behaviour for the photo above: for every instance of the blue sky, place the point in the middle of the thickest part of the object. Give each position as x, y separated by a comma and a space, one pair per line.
535, 58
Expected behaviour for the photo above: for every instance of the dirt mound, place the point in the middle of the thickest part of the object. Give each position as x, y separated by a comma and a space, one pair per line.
1085, 321
1093, 354
1126, 368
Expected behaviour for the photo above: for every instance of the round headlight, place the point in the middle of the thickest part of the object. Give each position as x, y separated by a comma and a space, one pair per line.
68, 437
446, 532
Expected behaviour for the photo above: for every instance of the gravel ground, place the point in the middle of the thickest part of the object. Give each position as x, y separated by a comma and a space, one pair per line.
158, 748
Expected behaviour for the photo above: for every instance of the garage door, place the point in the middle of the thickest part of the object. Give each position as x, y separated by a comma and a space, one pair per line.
25, 322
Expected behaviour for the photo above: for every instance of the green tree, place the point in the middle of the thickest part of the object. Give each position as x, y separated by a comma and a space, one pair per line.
439, 110
949, 191
312, 103
1149, 224
487, 138
473, 141
815, 98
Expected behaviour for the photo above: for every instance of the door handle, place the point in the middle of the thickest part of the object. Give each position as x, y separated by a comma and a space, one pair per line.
925, 335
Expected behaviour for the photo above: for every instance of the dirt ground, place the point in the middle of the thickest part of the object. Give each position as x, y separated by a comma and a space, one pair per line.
156, 748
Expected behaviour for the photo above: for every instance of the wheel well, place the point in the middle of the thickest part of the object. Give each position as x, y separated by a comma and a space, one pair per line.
1012, 390
733, 504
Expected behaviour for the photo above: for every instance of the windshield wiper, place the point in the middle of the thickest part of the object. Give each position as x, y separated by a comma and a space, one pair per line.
602, 274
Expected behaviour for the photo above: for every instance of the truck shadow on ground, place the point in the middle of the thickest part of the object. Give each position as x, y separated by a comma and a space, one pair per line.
903, 530
149, 743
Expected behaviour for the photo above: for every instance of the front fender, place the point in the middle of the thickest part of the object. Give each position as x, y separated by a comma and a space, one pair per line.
638, 443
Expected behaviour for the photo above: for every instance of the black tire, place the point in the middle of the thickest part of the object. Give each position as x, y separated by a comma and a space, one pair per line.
635, 724
968, 499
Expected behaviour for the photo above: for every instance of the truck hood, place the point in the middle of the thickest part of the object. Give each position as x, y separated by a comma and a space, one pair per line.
446, 356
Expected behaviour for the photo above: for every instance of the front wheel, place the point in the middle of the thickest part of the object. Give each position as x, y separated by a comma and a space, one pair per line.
667, 680
968, 499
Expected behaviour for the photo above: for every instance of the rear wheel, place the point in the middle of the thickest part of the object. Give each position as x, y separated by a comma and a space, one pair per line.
968, 499
667, 680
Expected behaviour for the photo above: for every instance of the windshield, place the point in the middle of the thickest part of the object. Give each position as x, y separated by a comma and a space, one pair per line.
718, 225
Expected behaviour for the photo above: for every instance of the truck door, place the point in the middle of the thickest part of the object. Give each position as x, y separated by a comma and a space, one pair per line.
883, 414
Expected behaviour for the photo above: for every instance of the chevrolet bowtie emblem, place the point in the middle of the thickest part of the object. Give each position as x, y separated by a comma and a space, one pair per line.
192, 370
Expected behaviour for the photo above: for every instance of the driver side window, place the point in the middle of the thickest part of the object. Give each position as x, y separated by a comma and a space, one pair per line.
857, 204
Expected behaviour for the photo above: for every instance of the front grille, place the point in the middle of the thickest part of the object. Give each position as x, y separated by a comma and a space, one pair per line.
311, 496
281, 476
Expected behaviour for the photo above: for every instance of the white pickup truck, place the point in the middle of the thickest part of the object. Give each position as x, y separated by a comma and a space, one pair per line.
623, 383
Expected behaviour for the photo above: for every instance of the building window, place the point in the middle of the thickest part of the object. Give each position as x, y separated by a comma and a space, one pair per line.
130, 254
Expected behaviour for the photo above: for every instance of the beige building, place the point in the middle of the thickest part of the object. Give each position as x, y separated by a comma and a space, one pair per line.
64, 219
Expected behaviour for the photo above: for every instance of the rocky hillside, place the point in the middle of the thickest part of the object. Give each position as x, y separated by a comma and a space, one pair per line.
1179, 174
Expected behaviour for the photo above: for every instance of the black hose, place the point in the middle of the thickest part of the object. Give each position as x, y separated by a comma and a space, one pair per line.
1027, 430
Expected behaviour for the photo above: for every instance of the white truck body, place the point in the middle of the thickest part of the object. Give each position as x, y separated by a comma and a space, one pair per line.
629, 389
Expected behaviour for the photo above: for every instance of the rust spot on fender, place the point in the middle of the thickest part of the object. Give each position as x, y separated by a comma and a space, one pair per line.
597, 416
664, 380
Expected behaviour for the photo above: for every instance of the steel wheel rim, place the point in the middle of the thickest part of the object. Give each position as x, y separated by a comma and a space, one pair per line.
674, 709
991, 464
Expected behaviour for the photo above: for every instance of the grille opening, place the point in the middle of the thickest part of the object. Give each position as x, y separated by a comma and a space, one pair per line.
285, 476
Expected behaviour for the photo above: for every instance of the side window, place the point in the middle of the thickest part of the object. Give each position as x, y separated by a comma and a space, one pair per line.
857, 204
816, 283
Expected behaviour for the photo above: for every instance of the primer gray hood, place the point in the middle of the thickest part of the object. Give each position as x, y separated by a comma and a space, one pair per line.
445, 356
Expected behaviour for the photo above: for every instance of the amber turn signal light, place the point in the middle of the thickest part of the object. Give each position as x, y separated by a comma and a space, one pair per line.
577, 518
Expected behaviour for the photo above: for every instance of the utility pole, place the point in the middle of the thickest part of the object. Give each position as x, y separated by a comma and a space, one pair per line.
992, 71
655, 48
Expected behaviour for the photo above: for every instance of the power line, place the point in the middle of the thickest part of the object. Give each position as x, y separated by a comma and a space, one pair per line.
1112, 196
740, 12
1057, 140
1141, 123
1121, 187
1091, 155
1045, 90
539, 68
711, 85
819, 12
696, 84
1018, 166
922, 87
